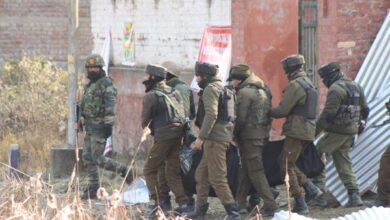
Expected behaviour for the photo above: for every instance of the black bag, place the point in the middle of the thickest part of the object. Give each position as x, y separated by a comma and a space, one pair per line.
309, 163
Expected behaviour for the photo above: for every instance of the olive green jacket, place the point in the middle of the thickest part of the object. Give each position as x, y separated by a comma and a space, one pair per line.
212, 129
248, 94
186, 94
149, 107
335, 98
296, 126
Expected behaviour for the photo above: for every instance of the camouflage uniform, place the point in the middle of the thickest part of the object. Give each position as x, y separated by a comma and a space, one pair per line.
251, 130
98, 110
344, 109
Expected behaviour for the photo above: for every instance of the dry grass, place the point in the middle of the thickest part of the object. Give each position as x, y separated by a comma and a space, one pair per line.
31, 197
35, 199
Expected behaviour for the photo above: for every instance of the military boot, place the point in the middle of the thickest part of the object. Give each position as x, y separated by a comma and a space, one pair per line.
184, 208
243, 209
300, 205
268, 212
90, 192
232, 211
151, 210
275, 192
129, 179
312, 192
191, 203
254, 200
354, 198
199, 213
165, 203
319, 201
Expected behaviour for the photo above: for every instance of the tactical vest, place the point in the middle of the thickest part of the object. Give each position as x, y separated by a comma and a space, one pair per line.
201, 111
309, 109
191, 109
260, 108
349, 112
226, 106
169, 109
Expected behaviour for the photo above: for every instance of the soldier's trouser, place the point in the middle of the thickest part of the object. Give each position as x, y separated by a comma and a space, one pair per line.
292, 149
212, 171
163, 183
162, 180
252, 173
384, 176
94, 145
162, 152
337, 145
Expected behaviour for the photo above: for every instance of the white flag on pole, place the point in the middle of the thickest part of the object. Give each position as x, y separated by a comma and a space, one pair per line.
106, 57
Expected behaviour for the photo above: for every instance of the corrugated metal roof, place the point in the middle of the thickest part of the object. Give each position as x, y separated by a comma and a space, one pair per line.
377, 213
374, 77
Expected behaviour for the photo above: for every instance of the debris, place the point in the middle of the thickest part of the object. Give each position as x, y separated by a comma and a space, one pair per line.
137, 192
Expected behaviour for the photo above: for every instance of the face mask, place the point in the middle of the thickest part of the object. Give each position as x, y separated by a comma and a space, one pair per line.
203, 83
330, 79
93, 75
149, 84
326, 82
169, 76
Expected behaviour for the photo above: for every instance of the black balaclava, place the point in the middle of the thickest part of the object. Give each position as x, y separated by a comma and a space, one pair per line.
169, 76
93, 75
330, 78
291, 71
151, 82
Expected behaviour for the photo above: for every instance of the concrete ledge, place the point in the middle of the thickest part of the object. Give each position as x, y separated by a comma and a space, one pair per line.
62, 161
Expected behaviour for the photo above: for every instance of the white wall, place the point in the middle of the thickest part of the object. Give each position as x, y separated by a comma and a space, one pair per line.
164, 29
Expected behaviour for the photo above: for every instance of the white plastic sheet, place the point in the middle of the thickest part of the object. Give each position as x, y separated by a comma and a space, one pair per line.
136, 193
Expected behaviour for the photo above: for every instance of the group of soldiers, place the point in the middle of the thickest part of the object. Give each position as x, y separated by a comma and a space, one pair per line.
239, 114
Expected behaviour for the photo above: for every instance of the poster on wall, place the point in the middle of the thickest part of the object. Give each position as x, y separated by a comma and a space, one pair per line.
128, 44
216, 48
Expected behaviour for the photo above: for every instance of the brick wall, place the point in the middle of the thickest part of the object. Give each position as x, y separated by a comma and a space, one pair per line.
39, 28
346, 31
164, 29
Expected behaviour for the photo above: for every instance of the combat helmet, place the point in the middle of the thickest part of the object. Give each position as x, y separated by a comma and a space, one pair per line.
94, 60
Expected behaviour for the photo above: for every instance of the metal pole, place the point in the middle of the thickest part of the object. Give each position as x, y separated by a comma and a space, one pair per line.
72, 70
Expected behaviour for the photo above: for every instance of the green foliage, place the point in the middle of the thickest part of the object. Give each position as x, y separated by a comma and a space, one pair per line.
33, 97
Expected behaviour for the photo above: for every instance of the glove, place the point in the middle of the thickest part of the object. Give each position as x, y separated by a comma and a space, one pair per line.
362, 126
107, 130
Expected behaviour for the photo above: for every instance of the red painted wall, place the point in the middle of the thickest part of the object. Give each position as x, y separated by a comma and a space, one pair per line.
264, 32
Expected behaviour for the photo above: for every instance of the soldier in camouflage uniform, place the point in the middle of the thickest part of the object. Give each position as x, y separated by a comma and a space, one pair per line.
298, 106
251, 130
214, 136
341, 119
163, 112
97, 110
173, 80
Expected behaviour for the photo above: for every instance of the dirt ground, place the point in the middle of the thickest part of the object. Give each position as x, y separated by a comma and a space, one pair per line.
216, 210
